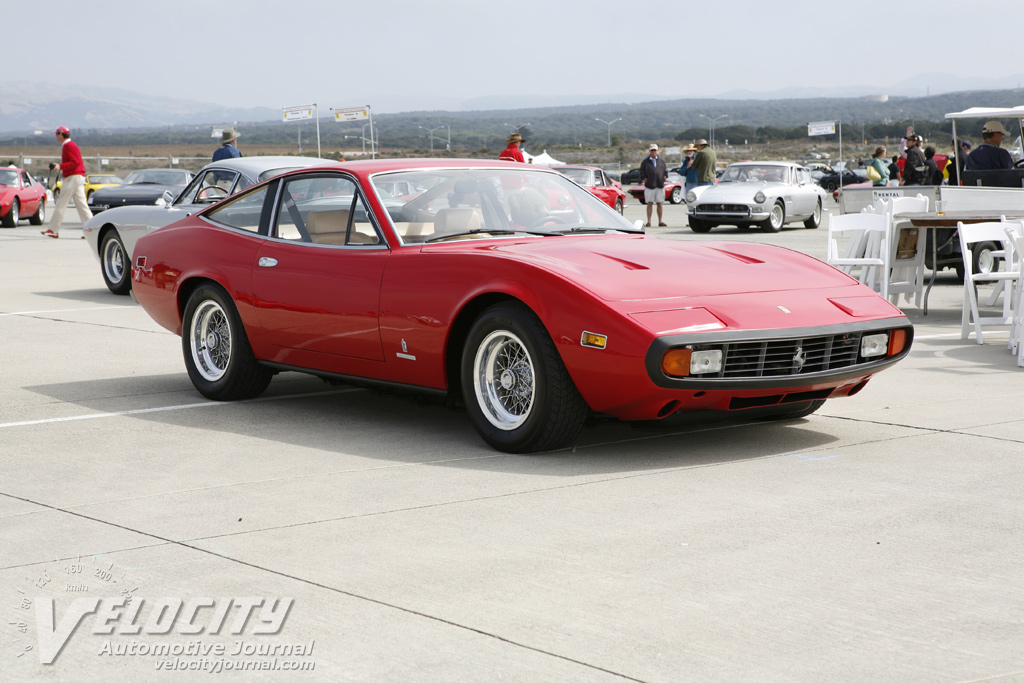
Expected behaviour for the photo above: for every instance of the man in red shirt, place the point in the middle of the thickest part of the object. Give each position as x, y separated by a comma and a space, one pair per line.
512, 152
73, 186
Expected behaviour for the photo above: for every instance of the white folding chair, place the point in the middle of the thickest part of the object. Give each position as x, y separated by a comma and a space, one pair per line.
867, 234
1005, 280
1015, 231
907, 250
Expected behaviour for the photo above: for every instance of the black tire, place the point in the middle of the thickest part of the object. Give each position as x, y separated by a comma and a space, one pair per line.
618, 205
642, 200
677, 196
830, 186
794, 411
518, 394
12, 217
56, 193
217, 354
814, 221
982, 260
115, 264
40, 215
958, 268
776, 219
699, 226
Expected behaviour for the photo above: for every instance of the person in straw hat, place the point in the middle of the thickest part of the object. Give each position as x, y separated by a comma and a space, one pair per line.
512, 152
989, 155
228, 149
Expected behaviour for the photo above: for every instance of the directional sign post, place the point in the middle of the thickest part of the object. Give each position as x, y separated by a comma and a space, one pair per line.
358, 114
829, 128
302, 113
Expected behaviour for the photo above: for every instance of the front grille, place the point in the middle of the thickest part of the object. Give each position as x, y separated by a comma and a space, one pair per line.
723, 208
782, 357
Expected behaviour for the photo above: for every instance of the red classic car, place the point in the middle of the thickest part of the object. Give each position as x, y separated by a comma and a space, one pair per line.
598, 183
21, 196
675, 189
535, 313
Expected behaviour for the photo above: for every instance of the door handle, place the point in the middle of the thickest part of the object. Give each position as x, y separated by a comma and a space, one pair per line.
267, 262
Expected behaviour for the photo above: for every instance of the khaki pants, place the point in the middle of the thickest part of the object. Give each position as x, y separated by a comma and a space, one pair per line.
71, 188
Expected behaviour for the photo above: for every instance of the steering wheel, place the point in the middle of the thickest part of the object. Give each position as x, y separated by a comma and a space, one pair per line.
1019, 164
544, 220
212, 192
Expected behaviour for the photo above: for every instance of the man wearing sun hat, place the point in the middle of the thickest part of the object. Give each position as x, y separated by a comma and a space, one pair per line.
512, 152
72, 168
704, 161
989, 155
228, 148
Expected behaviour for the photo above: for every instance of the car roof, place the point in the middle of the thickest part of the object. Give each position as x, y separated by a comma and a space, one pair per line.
258, 164
366, 168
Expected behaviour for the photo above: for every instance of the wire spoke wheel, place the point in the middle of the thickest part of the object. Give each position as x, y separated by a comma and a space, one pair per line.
504, 380
210, 340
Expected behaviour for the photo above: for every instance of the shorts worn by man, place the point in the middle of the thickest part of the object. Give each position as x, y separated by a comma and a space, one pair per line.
653, 173
72, 168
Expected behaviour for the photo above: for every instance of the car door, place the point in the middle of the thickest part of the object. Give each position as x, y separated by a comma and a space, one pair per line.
317, 279
30, 194
604, 189
804, 197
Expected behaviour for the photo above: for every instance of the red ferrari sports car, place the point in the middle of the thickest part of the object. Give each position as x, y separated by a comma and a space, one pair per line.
675, 189
21, 196
509, 288
597, 183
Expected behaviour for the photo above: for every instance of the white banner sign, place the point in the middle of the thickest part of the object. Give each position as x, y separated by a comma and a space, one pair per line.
821, 128
217, 132
298, 114
352, 114
886, 194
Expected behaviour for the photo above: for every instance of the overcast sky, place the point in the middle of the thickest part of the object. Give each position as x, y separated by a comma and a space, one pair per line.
277, 53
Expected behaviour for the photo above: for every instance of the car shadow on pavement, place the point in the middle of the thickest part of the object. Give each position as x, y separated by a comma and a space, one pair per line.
304, 413
101, 296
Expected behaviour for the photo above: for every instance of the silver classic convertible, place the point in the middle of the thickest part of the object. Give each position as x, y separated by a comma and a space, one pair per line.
767, 194
112, 234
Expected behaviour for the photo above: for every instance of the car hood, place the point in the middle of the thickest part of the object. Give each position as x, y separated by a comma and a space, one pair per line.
133, 193
621, 268
724, 192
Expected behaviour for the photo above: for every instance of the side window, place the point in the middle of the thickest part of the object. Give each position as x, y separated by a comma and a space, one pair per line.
242, 212
323, 210
599, 179
214, 186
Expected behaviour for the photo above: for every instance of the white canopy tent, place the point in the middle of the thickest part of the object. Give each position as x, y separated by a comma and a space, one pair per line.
544, 159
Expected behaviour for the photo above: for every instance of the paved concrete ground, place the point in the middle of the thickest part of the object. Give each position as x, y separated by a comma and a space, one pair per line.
879, 539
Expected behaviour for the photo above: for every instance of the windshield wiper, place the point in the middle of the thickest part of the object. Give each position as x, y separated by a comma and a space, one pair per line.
581, 228
481, 231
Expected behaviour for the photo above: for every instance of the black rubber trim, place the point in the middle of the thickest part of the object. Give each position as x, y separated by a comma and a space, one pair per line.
359, 381
662, 344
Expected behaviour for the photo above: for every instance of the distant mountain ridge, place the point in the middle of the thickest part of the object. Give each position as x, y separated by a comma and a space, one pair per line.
43, 106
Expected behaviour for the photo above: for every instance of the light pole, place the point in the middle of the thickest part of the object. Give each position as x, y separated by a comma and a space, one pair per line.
712, 120
516, 128
609, 124
431, 132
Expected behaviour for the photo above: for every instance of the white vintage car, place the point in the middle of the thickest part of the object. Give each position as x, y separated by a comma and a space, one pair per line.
767, 194
112, 234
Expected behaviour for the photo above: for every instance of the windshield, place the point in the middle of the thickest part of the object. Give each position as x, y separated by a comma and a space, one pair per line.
8, 178
577, 175
755, 173
463, 203
156, 177
105, 180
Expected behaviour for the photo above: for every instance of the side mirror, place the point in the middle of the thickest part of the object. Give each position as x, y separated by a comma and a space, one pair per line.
639, 225
168, 198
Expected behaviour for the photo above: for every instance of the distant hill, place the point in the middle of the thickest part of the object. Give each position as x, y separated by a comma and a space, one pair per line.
118, 117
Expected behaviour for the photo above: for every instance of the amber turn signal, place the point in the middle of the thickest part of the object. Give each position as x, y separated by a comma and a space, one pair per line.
897, 341
676, 362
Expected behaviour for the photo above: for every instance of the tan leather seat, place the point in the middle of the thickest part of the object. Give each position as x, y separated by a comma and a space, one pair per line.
327, 227
456, 220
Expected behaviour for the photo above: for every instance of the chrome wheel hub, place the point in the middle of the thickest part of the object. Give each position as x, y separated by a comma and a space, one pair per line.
503, 380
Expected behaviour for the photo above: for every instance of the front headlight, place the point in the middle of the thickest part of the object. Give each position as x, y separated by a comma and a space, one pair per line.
691, 197
873, 345
760, 197
688, 361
